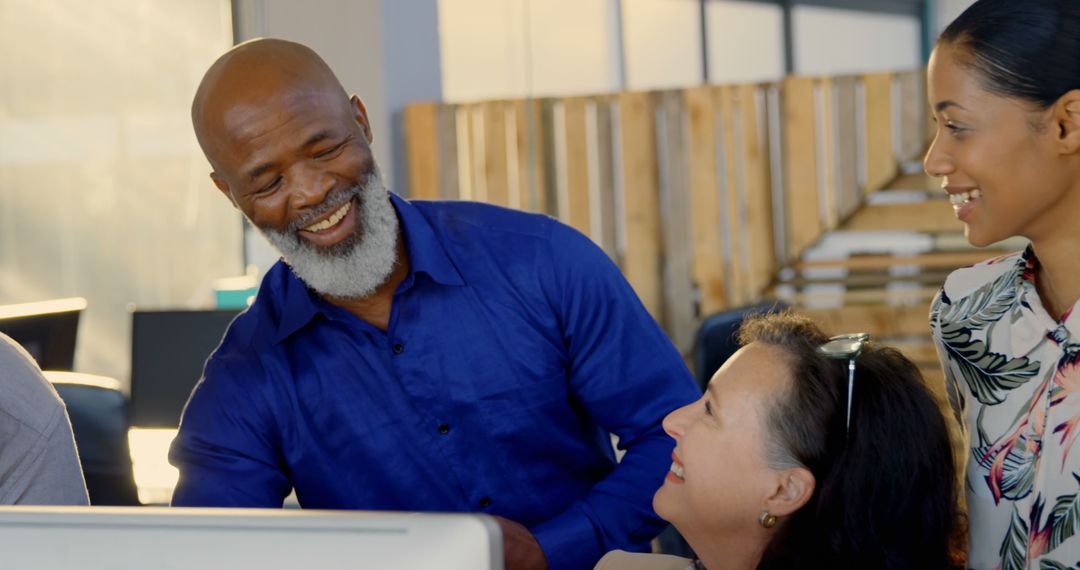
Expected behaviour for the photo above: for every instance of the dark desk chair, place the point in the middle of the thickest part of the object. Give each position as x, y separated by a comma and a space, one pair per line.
99, 421
715, 341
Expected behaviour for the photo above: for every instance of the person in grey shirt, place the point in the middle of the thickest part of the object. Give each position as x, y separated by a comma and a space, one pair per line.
38, 461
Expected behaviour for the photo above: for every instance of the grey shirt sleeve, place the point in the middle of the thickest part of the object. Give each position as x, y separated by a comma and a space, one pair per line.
38, 461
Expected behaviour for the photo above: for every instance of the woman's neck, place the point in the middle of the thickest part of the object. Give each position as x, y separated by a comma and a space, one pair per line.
730, 551
1057, 277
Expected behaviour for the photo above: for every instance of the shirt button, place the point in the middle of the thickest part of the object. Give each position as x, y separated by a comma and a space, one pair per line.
444, 428
398, 348
485, 502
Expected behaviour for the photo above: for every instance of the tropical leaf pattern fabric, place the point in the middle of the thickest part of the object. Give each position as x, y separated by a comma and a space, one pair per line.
1013, 375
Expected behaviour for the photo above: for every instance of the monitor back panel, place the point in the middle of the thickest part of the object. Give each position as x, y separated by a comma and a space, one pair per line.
168, 351
100, 538
48, 337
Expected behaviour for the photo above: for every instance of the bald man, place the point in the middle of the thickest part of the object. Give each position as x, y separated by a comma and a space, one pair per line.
409, 355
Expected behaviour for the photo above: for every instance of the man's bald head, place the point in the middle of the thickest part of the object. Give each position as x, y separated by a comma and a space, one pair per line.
252, 74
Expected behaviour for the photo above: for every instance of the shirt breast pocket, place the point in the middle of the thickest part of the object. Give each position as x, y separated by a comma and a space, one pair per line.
529, 401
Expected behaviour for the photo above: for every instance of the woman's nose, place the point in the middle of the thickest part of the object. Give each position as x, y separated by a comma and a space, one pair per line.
937, 163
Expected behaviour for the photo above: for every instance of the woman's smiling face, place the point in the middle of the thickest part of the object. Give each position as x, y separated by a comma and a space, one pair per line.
720, 477
999, 157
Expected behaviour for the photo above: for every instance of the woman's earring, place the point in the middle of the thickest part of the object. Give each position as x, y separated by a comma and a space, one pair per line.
766, 520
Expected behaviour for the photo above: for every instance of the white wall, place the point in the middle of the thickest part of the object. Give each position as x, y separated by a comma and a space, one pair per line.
828, 41
104, 193
570, 49
745, 41
945, 11
662, 42
494, 49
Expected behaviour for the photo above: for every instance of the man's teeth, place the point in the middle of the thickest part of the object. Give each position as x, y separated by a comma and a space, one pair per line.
331, 221
964, 197
677, 470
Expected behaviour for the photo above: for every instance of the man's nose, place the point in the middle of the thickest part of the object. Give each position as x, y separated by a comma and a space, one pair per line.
311, 185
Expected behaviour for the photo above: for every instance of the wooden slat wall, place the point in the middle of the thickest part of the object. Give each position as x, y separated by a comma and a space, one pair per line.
678, 187
800, 165
707, 268
847, 151
494, 166
913, 107
640, 198
422, 141
881, 164
679, 307
760, 248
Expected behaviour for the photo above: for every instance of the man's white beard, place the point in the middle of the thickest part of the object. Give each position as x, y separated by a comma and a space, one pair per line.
356, 266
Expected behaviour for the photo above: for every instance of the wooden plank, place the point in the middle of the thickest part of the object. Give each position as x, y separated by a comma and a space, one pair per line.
530, 155
920, 181
827, 135
825, 297
881, 164
466, 145
547, 197
602, 176
800, 165
422, 150
573, 195
640, 197
732, 203
913, 110
952, 260
760, 255
448, 153
879, 280
679, 307
881, 321
931, 216
495, 167
707, 266
847, 151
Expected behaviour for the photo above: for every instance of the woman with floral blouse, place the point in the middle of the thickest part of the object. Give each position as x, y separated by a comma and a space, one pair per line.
1004, 88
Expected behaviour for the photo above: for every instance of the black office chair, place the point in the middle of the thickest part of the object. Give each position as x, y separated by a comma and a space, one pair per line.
714, 343
99, 421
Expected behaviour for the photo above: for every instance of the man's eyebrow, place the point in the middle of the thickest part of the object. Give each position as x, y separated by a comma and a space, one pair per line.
254, 173
314, 139
318, 137
942, 105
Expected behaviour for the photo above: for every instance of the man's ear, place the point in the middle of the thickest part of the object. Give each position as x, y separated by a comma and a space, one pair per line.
794, 487
1067, 117
360, 114
224, 187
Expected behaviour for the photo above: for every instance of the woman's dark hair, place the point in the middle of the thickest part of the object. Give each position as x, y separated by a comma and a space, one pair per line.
886, 489
1025, 49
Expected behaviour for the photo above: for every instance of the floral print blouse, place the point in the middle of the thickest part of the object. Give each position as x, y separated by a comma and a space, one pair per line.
1012, 372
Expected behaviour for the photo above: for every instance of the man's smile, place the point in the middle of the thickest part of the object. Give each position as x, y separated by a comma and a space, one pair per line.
336, 227
331, 221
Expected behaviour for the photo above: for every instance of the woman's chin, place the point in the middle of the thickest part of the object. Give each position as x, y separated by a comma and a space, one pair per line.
662, 504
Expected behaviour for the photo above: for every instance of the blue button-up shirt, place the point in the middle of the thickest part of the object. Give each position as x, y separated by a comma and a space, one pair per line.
514, 348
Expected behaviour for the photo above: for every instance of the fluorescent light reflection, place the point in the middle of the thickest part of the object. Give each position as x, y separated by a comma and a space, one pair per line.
154, 477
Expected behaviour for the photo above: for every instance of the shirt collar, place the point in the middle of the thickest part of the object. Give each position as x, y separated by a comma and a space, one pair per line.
426, 255
426, 251
1029, 332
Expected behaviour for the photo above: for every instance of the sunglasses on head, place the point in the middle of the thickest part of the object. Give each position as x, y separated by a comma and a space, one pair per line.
846, 347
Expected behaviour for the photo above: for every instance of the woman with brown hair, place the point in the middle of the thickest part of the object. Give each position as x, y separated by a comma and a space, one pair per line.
808, 452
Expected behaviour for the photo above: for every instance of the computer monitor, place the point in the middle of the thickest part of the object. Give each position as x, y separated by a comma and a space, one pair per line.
100, 538
46, 329
168, 351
